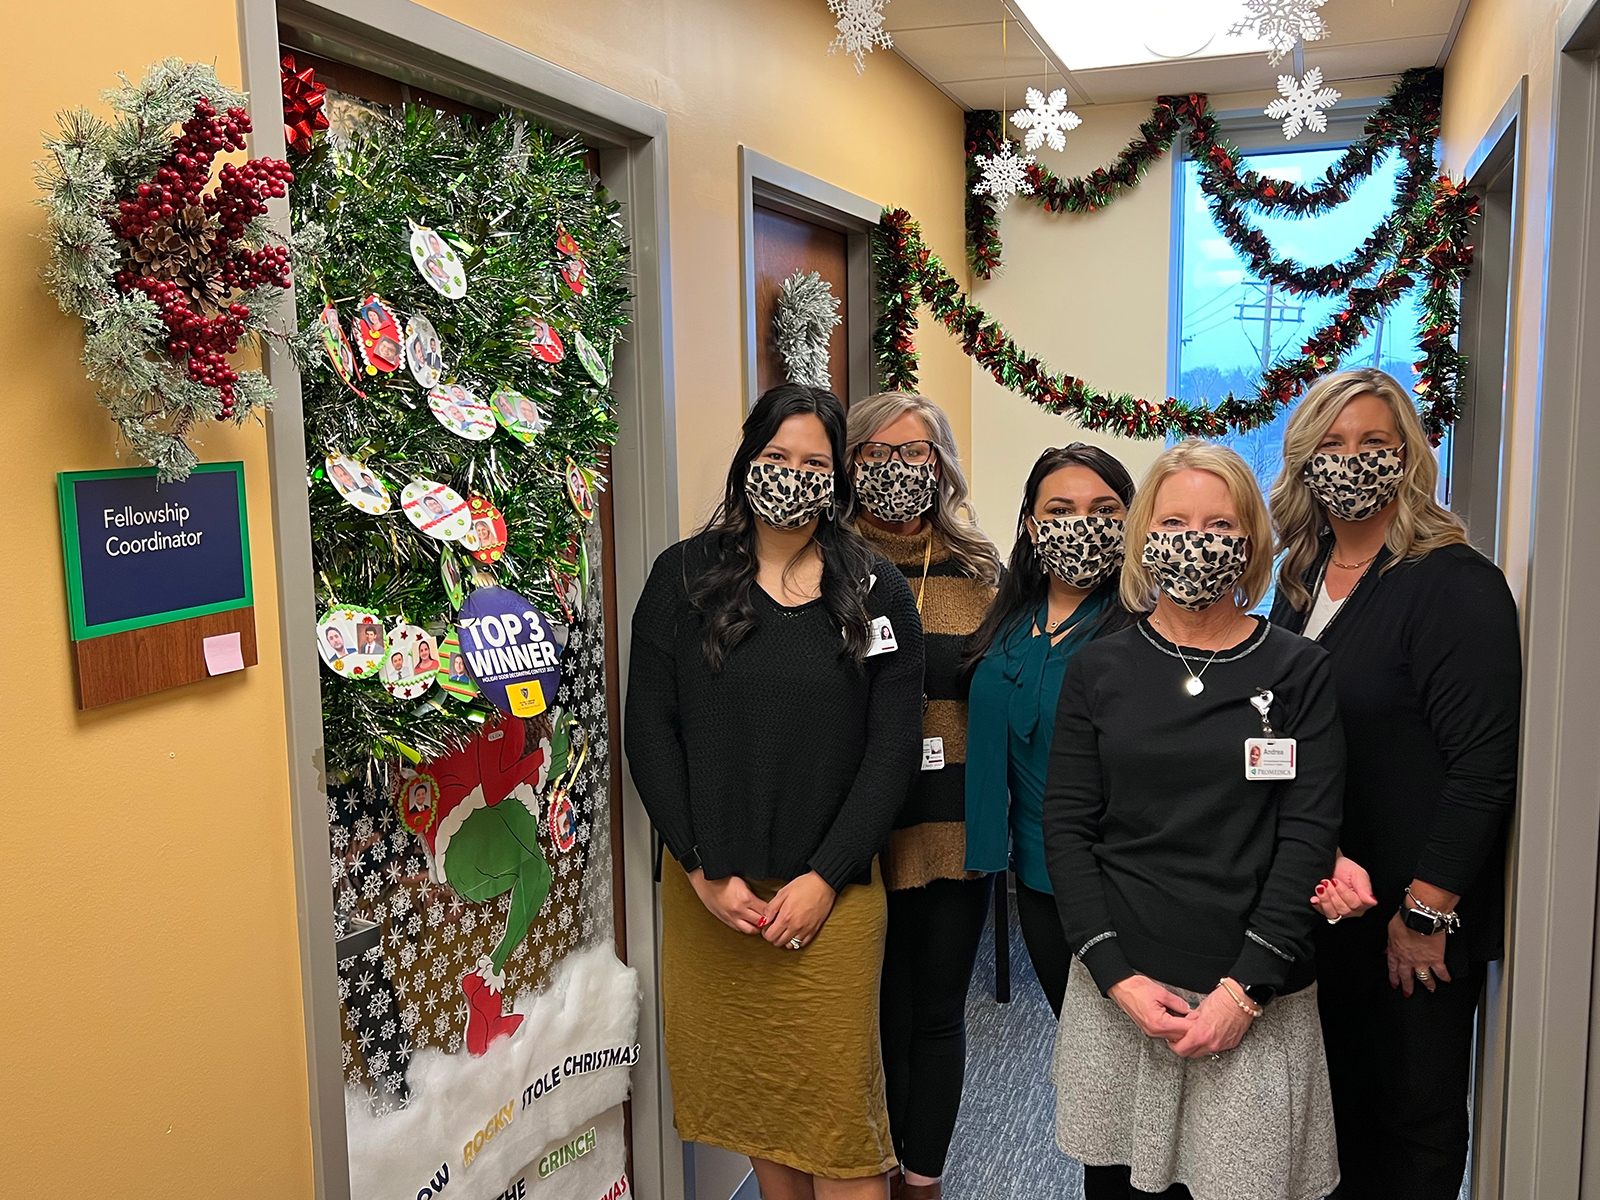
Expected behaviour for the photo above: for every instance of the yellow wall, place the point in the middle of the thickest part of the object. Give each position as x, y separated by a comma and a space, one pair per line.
150, 1017
731, 72
151, 1039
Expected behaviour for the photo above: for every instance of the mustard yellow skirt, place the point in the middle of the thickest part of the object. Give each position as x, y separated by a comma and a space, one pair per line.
774, 1052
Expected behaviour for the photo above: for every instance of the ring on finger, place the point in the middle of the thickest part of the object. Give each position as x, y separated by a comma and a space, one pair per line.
1423, 974
1335, 920
795, 943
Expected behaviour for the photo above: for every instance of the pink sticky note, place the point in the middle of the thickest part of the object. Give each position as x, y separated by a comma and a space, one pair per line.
223, 654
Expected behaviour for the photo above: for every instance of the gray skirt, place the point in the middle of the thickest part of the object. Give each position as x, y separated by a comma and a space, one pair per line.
1257, 1124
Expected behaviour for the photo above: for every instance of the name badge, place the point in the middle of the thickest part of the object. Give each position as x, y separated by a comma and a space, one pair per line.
1269, 758
933, 754
882, 637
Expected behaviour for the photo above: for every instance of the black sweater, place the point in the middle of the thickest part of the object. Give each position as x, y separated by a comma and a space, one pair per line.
1166, 861
792, 757
1427, 664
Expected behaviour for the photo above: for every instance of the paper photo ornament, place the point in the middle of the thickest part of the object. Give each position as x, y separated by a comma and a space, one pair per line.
574, 272
462, 413
581, 489
590, 358
488, 530
544, 343
378, 337
410, 662
435, 509
561, 816
416, 799
450, 576
517, 413
424, 354
453, 675
438, 263
359, 486
338, 348
350, 642
512, 653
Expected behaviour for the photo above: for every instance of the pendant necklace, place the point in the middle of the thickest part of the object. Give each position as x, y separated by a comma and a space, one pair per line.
1193, 685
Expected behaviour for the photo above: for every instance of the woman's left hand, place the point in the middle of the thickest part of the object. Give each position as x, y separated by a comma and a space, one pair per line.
1415, 957
797, 912
1218, 1024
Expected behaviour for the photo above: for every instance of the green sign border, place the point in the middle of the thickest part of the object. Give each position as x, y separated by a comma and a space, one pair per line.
81, 629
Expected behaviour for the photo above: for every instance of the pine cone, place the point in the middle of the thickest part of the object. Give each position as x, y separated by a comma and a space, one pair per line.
180, 249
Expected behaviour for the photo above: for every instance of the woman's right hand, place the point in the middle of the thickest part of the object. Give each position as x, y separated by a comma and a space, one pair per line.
1155, 1010
730, 900
1348, 893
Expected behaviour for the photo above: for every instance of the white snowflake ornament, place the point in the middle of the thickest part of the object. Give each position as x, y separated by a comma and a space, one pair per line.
1004, 175
1282, 23
860, 26
1047, 120
1301, 104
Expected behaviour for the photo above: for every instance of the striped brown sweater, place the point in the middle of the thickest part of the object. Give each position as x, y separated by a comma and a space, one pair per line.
929, 840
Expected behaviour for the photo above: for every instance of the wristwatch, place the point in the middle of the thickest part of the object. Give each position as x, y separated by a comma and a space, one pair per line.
1260, 993
1424, 920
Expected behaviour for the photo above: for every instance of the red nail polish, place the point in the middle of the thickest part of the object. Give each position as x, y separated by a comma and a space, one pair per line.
1319, 889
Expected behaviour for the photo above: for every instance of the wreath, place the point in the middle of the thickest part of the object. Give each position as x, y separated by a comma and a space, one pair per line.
164, 254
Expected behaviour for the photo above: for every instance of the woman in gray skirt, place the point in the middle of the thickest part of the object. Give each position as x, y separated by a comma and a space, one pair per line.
1192, 808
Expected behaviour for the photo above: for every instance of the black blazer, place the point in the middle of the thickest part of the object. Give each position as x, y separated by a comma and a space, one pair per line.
1427, 665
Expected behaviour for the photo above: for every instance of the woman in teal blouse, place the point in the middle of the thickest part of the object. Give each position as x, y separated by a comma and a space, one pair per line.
1059, 591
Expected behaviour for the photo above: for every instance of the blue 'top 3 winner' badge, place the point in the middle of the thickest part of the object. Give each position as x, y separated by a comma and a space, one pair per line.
512, 652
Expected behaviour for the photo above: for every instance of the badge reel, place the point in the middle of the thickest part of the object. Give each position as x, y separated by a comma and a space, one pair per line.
1267, 757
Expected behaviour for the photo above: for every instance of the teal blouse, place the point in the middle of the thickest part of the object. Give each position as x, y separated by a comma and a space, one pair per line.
1011, 719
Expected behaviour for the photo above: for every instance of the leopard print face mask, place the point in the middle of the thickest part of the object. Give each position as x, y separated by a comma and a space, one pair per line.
896, 491
1355, 486
785, 498
1193, 568
1082, 551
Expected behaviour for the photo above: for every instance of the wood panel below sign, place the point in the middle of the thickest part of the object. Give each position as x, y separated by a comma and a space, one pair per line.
120, 666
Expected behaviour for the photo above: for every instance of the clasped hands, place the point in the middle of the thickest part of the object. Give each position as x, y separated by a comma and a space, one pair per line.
795, 914
1412, 957
1218, 1024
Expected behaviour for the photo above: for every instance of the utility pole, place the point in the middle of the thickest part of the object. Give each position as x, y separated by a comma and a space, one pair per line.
1268, 309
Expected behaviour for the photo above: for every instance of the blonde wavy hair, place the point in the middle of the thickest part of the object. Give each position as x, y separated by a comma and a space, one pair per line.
952, 513
1139, 586
1420, 522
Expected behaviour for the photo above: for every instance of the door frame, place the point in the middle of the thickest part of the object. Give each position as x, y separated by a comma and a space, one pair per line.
417, 45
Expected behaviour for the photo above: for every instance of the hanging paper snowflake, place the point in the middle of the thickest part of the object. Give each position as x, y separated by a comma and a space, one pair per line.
1004, 175
1300, 106
860, 27
1282, 23
1047, 121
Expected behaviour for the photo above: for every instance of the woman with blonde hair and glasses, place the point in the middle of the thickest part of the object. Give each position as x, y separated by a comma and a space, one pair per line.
914, 512
1188, 1060
1421, 634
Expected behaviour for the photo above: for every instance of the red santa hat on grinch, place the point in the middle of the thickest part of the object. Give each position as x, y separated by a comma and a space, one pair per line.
494, 767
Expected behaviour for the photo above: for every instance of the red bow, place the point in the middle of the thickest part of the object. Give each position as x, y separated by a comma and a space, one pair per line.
303, 98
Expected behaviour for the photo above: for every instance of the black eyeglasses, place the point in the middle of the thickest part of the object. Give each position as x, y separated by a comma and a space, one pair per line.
913, 454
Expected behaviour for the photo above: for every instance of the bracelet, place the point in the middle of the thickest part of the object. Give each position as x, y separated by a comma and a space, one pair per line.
1441, 920
1253, 1010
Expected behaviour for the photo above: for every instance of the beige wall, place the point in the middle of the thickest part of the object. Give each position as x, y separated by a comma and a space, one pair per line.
732, 72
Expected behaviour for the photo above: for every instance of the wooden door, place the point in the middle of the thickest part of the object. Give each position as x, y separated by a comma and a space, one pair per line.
784, 245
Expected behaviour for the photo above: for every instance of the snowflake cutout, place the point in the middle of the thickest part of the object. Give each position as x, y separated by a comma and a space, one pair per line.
1047, 121
860, 27
1301, 104
1282, 23
1004, 175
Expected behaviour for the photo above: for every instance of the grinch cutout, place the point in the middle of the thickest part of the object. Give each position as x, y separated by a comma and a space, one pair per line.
484, 842
544, 343
378, 337
438, 263
574, 272
338, 348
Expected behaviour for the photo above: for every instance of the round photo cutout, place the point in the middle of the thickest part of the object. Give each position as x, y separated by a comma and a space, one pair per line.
563, 821
435, 509
488, 531
378, 337
517, 413
438, 263
359, 486
450, 576
338, 348
574, 273
590, 358
417, 800
544, 343
410, 662
581, 489
424, 353
350, 642
462, 413
453, 675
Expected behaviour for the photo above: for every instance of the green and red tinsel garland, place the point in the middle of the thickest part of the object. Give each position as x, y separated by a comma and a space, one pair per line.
1423, 237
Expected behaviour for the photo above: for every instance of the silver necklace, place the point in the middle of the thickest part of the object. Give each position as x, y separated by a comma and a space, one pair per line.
1193, 684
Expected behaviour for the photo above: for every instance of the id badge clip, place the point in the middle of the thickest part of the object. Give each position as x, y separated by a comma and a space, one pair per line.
1268, 757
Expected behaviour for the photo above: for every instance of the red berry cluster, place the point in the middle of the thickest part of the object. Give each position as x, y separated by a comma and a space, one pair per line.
239, 197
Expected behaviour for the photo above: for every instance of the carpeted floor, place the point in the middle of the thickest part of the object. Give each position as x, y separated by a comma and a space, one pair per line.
1005, 1139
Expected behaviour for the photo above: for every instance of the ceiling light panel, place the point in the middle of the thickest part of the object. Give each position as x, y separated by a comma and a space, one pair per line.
1089, 34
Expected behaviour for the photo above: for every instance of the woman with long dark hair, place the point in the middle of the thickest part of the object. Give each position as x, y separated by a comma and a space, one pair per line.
773, 727
1059, 593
